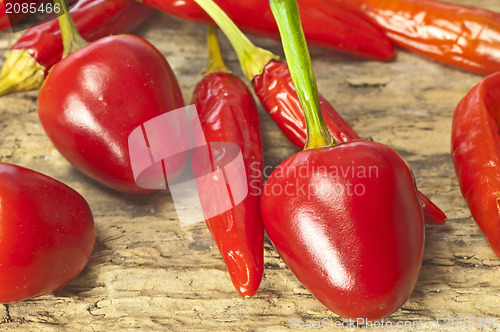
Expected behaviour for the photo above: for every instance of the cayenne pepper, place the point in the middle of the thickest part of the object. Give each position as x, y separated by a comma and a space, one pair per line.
228, 113
285, 110
475, 150
463, 36
39, 48
273, 85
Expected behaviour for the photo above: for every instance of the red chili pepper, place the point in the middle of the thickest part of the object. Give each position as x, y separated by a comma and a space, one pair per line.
40, 48
324, 25
476, 155
93, 99
455, 34
228, 114
355, 240
274, 87
47, 234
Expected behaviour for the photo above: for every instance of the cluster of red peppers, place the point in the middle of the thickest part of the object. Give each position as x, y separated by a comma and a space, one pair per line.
365, 247
354, 239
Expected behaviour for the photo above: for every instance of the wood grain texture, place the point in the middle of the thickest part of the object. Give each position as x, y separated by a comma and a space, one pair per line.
149, 273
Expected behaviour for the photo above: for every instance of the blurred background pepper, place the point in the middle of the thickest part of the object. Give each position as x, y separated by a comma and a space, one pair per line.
324, 24
462, 36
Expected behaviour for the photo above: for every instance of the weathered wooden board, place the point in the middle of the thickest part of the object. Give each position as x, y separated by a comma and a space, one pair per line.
149, 273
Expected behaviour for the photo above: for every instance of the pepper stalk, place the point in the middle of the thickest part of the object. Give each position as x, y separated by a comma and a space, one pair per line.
72, 40
252, 58
215, 62
286, 14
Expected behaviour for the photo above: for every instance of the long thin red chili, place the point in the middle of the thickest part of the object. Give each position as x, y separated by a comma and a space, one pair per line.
324, 25
463, 36
275, 89
228, 114
475, 151
40, 47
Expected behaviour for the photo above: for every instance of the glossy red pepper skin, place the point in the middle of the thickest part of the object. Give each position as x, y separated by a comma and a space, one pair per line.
275, 89
353, 34
358, 250
94, 19
462, 36
47, 234
475, 152
93, 99
228, 113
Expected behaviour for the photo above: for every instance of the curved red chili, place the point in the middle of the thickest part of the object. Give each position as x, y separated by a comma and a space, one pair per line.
39, 48
275, 89
475, 150
325, 25
463, 36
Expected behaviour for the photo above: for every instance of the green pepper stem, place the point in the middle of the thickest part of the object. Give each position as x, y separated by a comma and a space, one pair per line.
215, 62
72, 40
253, 59
286, 14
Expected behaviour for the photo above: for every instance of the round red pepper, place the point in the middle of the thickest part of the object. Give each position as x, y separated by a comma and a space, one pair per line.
47, 234
355, 242
346, 219
93, 99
